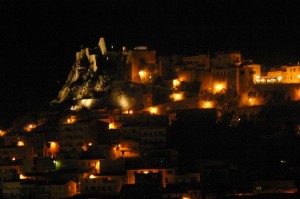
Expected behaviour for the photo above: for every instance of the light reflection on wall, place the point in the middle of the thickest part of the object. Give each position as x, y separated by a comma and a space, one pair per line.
246, 100
97, 166
2, 133
124, 102
296, 94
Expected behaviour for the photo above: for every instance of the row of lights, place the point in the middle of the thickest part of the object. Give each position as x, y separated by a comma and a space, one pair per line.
218, 86
258, 79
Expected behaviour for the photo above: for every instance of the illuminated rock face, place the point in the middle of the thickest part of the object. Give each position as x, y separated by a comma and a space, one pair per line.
98, 74
85, 78
102, 46
80, 76
63, 94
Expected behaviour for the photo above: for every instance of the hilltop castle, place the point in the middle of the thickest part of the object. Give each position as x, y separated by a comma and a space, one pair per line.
134, 119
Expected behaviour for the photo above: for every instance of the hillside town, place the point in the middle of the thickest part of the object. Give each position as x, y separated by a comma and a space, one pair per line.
128, 123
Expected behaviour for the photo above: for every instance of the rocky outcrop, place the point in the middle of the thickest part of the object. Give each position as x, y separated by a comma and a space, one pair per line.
92, 74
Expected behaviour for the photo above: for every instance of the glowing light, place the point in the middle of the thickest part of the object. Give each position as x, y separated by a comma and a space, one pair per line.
219, 87
251, 101
282, 161
130, 112
57, 164
92, 176
22, 177
257, 77
29, 127
260, 81
97, 165
84, 147
177, 96
53, 145
71, 119
176, 83
90, 144
142, 73
145, 172
13, 159
78, 107
206, 104
20, 143
112, 126
145, 76
153, 110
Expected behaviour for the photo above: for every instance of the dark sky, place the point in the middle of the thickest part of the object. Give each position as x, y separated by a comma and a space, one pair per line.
38, 39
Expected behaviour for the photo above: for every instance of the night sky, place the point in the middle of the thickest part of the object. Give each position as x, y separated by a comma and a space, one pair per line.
39, 38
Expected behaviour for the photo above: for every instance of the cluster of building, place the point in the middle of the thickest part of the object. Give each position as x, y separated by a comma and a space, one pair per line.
125, 152
83, 155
